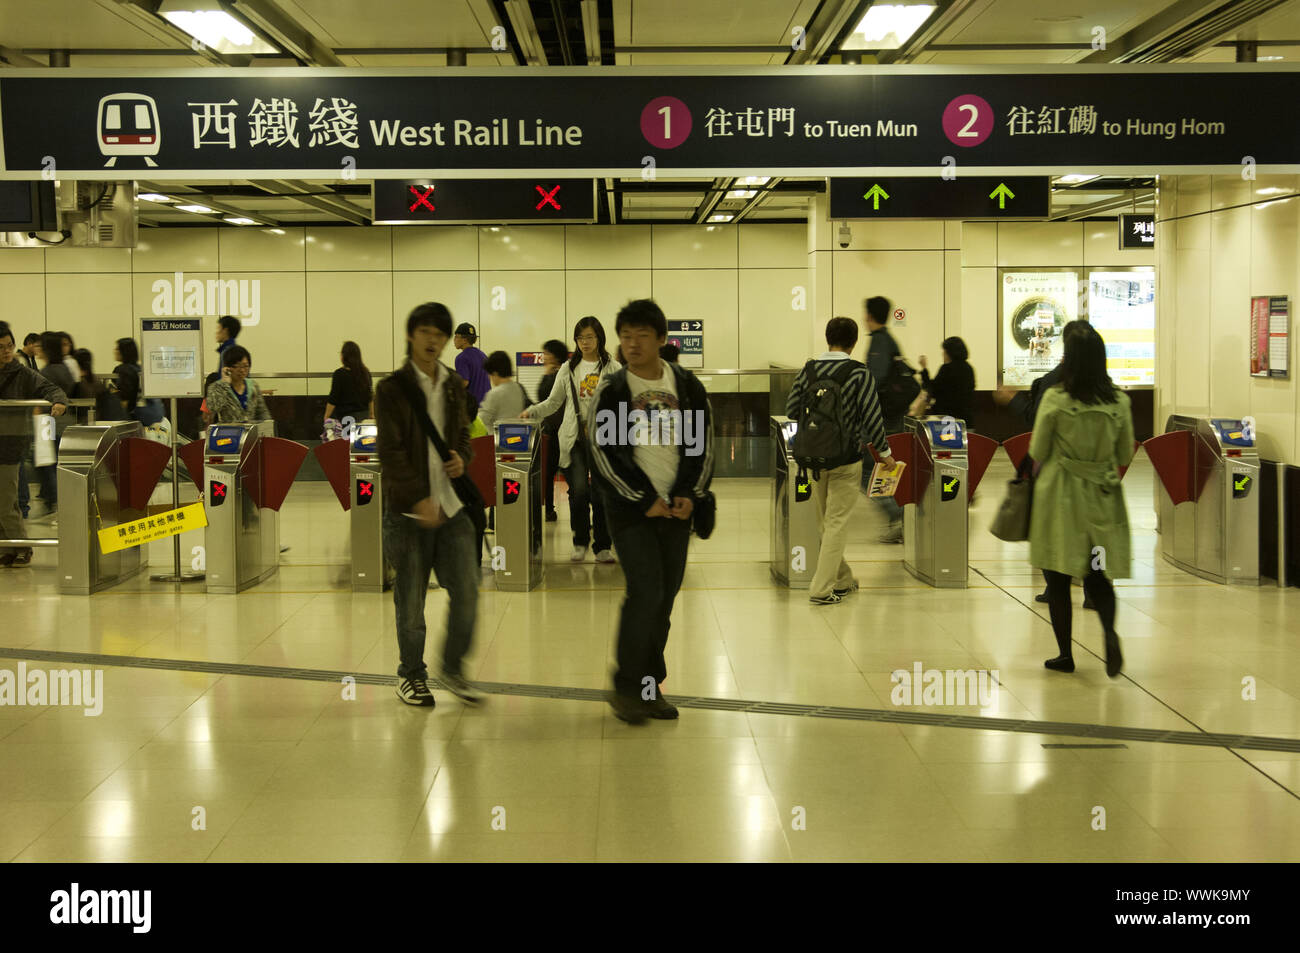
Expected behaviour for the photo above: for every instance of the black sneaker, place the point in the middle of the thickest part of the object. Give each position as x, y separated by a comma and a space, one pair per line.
1041, 597
551, 516
415, 691
462, 689
661, 708
631, 710
828, 600
845, 591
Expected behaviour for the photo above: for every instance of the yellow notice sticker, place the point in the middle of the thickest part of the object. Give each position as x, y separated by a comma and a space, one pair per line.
158, 526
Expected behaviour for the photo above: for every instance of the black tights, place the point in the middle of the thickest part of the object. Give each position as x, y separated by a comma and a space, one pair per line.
1098, 589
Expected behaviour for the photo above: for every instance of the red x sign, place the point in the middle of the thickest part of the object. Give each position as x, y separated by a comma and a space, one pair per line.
547, 197
421, 199
365, 489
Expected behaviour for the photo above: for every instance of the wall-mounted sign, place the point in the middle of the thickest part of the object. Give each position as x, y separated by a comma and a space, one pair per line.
688, 338
932, 196
1270, 328
1122, 307
604, 121
1035, 306
1137, 231
171, 355
484, 201
900, 318
530, 367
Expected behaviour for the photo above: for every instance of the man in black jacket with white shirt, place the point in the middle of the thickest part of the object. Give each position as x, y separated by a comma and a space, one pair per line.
652, 444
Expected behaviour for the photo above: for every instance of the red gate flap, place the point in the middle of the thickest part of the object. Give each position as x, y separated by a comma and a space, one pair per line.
332, 455
192, 456
1017, 446
1171, 455
483, 467
141, 464
279, 464
979, 453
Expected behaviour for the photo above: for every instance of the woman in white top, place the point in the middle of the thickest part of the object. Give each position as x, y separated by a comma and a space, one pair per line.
575, 386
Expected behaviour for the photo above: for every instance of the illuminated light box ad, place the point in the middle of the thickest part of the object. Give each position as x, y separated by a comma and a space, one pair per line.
1122, 307
1036, 305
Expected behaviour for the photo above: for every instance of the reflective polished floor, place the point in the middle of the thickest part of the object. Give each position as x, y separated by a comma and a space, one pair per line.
193, 766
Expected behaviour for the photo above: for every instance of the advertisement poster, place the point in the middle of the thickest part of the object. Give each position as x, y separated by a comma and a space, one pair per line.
1036, 305
1122, 307
1270, 325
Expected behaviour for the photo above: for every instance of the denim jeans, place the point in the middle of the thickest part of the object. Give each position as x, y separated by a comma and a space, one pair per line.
449, 550
653, 554
581, 496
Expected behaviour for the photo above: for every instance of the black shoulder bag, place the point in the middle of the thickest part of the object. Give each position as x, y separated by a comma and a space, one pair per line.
466, 490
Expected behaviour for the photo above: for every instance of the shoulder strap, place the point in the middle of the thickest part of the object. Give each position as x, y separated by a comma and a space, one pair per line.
416, 399
528, 401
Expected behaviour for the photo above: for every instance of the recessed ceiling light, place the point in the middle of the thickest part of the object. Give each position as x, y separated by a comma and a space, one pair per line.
1270, 59
721, 218
742, 193
754, 180
196, 209
1076, 179
239, 220
888, 26
155, 197
214, 27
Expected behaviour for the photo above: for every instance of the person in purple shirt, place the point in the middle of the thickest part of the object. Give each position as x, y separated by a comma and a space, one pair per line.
469, 364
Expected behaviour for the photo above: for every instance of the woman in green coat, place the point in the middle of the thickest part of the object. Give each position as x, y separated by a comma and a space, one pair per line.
1078, 526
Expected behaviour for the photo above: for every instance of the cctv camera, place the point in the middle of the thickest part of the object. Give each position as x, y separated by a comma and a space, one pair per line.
846, 235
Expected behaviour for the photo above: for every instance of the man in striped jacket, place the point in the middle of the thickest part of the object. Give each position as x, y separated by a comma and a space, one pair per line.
836, 489
651, 437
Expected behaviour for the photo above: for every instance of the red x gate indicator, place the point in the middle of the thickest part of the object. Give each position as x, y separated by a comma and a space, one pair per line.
365, 492
511, 490
216, 492
548, 198
421, 198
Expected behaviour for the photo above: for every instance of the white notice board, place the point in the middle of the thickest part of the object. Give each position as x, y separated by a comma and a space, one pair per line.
171, 357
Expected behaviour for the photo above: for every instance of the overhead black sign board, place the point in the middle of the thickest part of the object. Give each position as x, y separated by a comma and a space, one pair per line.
859, 197
484, 201
605, 121
1137, 231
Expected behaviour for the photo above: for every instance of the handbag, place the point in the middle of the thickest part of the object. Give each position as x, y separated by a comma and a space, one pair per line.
466, 491
705, 514
1011, 522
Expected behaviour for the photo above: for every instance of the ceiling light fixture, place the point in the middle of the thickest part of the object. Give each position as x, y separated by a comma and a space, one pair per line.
754, 180
742, 193
214, 26
721, 218
155, 197
239, 220
196, 209
1270, 59
888, 26
1075, 179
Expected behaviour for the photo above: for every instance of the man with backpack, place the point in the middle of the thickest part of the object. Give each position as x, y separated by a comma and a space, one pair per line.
834, 402
897, 386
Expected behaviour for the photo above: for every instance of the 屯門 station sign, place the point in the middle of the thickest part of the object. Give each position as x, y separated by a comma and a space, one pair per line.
611, 121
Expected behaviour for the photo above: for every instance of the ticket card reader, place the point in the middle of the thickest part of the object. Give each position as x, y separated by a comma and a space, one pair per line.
366, 511
1208, 498
795, 529
935, 524
517, 554
243, 539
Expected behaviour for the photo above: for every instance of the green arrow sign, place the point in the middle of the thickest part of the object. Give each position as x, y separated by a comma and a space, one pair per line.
875, 194
1002, 193
950, 485
1241, 483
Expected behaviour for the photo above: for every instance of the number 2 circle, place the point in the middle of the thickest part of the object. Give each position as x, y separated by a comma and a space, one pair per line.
968, 120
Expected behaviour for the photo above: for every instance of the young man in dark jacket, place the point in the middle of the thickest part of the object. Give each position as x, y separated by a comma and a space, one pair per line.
18, 382
652, 443
425, 524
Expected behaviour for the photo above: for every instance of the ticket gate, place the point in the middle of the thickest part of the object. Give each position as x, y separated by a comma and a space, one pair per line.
247, 473
1208, 469
352, 468
945, 463
106, 474
796, 538
517, 555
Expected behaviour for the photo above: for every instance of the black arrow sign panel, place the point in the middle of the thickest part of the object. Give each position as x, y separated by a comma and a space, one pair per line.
933, 196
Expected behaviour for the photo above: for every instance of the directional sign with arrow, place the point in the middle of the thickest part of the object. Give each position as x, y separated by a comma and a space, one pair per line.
688, 338
965, 197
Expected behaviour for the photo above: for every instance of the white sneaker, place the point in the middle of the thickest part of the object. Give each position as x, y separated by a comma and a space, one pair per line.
579, 554
605, 556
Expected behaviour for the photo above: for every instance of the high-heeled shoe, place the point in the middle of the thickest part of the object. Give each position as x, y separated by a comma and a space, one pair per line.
1114, 660
1062, 663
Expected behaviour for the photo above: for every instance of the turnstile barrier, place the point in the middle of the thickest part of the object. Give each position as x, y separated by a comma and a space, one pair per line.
517, 555
935, 521
795, 529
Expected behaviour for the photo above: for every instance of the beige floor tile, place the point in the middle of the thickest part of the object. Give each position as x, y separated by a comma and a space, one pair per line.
192, 847
500, 847
693, 846
309, 847
526, 813
908, 844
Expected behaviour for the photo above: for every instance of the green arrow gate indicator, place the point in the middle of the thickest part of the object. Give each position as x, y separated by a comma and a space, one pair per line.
875, 193
950, 485
1002, 193
1241, 483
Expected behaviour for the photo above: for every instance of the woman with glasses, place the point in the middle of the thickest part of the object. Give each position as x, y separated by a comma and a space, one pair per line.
575, 386
235, 399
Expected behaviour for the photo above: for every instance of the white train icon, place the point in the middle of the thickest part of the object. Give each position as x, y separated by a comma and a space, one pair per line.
128, 126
